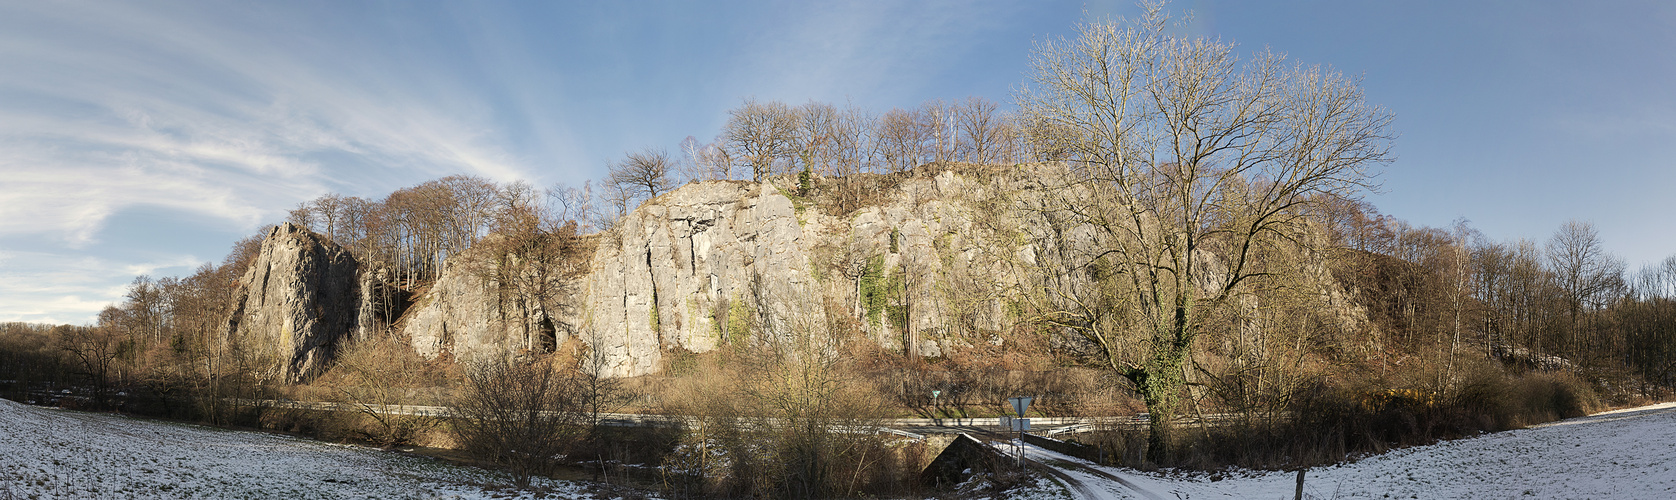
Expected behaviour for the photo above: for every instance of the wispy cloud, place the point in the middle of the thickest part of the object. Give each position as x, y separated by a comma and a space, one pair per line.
231, 113
60, 288
885, 50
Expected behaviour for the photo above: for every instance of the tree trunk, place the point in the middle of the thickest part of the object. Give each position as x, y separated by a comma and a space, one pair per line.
1160, 387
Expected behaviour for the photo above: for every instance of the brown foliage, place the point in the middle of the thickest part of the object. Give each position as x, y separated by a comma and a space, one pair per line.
518, 414
381, 378
783, 419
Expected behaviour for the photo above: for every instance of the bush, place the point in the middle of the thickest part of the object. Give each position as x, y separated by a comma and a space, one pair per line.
784, 421
519, 415
1326, 423
379, 377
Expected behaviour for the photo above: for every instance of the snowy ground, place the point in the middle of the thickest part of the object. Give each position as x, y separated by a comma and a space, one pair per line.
1620, 454
48, 453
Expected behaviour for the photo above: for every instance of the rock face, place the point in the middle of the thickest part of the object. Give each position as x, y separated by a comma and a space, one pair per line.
723, 261
925, 263
381, 303
297, 300
712, 262
482, 306
686, 270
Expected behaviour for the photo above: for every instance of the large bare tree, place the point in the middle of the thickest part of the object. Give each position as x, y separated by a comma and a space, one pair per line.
983, 131
1589, 277
902, 138
1181, 162
815, 138
761, 136
645, 173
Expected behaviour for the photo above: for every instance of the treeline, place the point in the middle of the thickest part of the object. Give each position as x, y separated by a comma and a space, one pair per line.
1564, 303
762, 139
813, 142
414, 229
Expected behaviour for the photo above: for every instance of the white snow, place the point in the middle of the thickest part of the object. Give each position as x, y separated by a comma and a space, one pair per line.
1620, 454
49, 453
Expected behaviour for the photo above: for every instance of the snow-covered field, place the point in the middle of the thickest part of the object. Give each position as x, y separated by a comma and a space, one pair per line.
1620, 454
48, 453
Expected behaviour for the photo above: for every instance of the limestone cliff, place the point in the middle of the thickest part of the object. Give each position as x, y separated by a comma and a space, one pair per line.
296, 301
922, 263
710, 262
679, 269
919, 272
932, 260
486, 304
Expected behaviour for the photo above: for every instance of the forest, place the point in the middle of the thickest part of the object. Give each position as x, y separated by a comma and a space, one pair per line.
1212, 259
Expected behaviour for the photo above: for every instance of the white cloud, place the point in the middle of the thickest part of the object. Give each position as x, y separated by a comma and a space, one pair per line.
58, 288
229, 113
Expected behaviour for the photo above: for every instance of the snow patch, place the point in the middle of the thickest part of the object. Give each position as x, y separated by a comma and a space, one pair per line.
50, 453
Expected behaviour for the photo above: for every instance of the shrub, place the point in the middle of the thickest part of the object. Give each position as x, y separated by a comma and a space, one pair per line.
378, 378
519, 415
1325, 422
783, 418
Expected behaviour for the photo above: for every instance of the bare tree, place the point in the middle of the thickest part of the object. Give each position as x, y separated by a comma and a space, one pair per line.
983, 131
614, 204
1182, 162
95, 350
853, 149
902, 139
703, 161
805, 416
472, 211
1589, 277
644, 173
939, 126
147, 309
572, 203
517, 414
531, 260
760, 136
599, 394
381, 377
816, 137
853, 141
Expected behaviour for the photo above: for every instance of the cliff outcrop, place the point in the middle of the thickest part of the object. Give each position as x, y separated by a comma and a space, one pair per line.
922, 263
299, 297
490, 302
927, 268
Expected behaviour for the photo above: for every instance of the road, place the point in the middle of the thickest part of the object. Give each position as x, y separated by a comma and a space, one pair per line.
1080, 477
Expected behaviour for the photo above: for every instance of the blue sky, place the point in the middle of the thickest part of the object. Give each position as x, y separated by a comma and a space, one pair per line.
148, 137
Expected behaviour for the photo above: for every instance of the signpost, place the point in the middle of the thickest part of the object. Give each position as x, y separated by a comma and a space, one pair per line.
1020, 404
